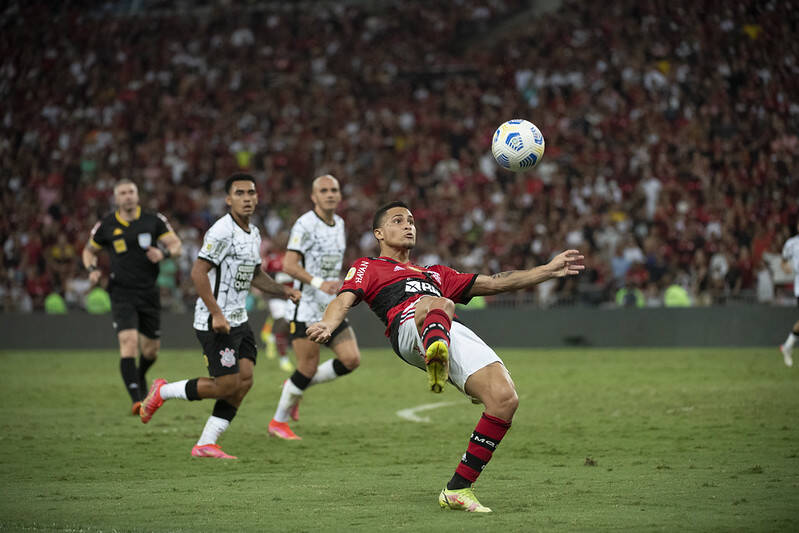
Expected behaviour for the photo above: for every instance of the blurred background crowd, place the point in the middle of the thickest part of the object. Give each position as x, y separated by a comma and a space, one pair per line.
671, 131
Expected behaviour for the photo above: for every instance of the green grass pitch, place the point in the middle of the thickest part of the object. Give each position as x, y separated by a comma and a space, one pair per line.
639, 440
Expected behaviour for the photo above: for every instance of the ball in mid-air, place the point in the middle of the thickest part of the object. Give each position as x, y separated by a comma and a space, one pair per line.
518, 145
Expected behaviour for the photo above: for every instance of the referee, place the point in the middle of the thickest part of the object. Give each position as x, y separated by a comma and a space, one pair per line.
130, 236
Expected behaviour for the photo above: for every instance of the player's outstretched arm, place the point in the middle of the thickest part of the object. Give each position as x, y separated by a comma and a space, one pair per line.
334, 315
264, 282
568, 263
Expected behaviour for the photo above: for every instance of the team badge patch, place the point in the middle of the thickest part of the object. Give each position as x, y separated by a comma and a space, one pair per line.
350, 274
145, 240
228, 357
117, 231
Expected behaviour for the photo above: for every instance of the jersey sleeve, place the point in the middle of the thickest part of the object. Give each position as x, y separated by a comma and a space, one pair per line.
216, 243
162, 226
299, 238
357, 279
454, 285
97, 237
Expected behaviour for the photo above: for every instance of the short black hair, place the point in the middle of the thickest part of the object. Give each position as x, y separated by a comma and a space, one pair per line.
380, 214
239, 176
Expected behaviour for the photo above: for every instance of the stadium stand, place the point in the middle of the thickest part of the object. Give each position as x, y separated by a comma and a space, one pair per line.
670, 128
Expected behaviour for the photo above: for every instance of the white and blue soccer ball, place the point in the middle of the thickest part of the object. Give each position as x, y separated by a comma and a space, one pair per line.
518, 145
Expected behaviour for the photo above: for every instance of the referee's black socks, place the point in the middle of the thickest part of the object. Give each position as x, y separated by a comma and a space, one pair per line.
144, 366
127, 366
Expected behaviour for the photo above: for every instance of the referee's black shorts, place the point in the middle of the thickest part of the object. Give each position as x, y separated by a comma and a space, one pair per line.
136, 309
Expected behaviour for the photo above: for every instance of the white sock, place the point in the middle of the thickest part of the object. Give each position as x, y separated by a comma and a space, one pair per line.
324, 373
175, 390
213, 428
291, 394
791, 340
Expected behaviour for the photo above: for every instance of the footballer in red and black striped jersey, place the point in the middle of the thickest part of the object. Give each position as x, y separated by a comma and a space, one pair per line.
389, 286
417, 304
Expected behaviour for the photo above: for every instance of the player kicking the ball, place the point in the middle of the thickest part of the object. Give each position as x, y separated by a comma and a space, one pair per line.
228, 263
417, 304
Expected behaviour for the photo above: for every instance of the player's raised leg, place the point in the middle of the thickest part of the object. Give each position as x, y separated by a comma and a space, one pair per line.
493, 386
434, 320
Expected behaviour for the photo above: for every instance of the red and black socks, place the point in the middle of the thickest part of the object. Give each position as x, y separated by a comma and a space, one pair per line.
484, 440
436, 327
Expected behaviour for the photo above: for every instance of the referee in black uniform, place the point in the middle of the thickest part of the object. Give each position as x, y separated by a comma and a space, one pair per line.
130, 236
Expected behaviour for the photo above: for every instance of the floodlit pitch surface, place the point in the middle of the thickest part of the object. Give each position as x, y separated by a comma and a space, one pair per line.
642, 440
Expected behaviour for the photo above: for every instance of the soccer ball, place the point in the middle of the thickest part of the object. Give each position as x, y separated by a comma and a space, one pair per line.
518, 145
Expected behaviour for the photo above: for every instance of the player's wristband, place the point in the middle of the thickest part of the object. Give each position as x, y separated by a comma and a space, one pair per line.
91, 268
316, 282
166, 252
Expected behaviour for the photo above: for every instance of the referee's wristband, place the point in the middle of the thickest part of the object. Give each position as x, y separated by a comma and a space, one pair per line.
166, 252
316, 282
91, 268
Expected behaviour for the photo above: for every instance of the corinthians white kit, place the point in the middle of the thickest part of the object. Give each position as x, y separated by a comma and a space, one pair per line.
322, 249
235, 254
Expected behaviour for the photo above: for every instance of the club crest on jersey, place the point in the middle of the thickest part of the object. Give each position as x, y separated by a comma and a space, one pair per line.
145, 240
228, 357
398, 268
350, 274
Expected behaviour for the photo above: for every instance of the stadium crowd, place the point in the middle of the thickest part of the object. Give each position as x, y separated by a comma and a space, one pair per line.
671, 132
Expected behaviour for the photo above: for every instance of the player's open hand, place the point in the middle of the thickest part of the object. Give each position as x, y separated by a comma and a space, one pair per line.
318, 332
330, 287
293, 294
154, 254
94, 277
568, 263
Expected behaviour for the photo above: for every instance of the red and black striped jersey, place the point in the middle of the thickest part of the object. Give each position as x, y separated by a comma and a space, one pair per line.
388, 286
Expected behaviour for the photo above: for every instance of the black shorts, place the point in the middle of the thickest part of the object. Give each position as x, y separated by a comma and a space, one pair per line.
222, 351
137, 309
297, 330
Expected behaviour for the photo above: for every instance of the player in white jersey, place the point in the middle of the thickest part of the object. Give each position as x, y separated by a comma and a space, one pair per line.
790, 261
227, 265
314, 258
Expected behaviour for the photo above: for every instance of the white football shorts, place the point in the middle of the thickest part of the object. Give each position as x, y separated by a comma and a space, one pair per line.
467, 352
277, 308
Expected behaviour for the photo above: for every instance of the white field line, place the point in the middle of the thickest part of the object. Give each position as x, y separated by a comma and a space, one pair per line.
411, 416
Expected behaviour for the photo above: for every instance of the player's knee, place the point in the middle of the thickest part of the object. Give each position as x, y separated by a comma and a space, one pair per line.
509, 401
351, 361
150, 352
245, 385
504, 402
227, 387
445, 304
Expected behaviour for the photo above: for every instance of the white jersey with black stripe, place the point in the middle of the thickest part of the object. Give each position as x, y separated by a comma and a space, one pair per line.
322, 248
235, 255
